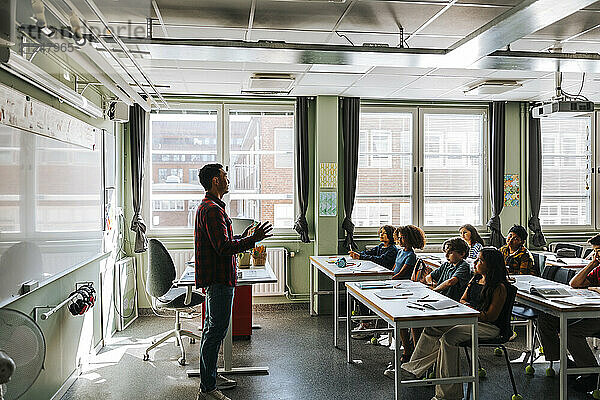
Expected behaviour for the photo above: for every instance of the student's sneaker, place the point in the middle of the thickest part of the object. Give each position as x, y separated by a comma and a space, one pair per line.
213, 395
224, 383
362, 335
513, 336
404, 374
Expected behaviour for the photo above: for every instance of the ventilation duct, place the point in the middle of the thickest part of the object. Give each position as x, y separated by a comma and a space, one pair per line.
492, 87
270, 84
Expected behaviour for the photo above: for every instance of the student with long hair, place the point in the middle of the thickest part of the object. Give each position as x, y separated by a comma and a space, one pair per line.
486, 292
471, 236
384, 254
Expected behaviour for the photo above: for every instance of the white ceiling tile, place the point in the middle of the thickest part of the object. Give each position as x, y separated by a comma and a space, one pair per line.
213, 76
317, 90
340, 68
371, 92
432, 41
400, 71
472, 73
517, 75
164, 74
210, 64
274, 67
329, 79
393, 81
214, 88
439, 82
420, 94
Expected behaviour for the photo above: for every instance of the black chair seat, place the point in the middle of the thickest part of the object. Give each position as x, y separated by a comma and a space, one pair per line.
524, 312
175, 298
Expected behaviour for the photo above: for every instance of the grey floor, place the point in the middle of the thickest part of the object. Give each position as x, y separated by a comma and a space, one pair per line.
303, 365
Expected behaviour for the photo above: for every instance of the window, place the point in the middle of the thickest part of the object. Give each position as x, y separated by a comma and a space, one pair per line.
566, 171
261, 170
453, 168
179, 142
254, 142
284, 145
385, 159
430, 174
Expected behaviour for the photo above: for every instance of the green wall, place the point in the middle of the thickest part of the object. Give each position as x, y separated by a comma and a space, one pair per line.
68, 339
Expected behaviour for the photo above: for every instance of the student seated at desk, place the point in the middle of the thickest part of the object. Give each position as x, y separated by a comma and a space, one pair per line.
408, 238
384, 254
452, 276
577, 330
486, 292
517, 258
471, 236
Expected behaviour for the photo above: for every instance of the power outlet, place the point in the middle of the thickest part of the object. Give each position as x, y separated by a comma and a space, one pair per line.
292, 254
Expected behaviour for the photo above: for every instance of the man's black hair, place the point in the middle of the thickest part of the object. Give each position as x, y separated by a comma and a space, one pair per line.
520, 231
207, 173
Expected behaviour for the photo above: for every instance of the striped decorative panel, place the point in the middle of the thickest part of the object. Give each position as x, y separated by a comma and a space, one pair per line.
180, 257
278, 258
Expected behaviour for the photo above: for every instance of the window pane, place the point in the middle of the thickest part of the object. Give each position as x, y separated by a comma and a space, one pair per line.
261, 169
566, 165
453, 165
383, 193
181, 145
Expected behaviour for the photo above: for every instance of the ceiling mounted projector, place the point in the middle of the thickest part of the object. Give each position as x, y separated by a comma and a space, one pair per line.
563, 109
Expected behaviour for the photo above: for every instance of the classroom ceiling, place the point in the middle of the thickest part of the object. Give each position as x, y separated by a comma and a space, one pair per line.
433, 26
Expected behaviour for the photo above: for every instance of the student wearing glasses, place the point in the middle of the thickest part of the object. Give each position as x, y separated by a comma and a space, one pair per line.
577, 330
517, 258
487, 292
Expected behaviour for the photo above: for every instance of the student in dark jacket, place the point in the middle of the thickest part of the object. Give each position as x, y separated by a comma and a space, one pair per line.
384, 254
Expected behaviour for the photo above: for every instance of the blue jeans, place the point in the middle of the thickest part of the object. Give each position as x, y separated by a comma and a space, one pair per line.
219, 301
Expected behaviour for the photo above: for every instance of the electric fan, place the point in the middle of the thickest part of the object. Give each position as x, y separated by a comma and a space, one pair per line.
22, 353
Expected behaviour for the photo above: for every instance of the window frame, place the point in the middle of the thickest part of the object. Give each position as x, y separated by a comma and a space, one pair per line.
486, 206
594, 183
418, 158
222, 112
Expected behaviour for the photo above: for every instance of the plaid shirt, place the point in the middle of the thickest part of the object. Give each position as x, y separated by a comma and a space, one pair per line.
520, 262
215, 244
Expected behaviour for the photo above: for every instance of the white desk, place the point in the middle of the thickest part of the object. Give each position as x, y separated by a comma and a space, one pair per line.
245, 277
396, 313
563, 312
369, 271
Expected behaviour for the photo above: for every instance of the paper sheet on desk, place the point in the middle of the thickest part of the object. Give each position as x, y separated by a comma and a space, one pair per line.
579, 301
365, 268
389, 294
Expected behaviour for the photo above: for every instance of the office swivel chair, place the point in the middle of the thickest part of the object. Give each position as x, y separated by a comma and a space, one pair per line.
159, 285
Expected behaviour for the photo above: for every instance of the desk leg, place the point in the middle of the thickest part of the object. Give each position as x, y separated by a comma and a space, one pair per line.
397, 363
474, 359
563, 356
311, 283
348, 328
228, 345
336, 311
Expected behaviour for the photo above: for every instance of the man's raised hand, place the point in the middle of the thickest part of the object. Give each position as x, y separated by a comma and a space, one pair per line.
262, 231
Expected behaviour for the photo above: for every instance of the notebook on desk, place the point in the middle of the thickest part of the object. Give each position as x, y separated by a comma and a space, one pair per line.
439, 305
549, 292
374, 285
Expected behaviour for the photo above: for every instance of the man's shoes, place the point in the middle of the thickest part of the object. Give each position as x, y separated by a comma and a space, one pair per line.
224, 383
213, 395
586, 383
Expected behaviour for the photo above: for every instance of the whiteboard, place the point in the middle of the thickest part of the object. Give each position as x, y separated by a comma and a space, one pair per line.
50, 207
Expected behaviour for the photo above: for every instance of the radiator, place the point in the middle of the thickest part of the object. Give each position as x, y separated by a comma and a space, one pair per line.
277, 257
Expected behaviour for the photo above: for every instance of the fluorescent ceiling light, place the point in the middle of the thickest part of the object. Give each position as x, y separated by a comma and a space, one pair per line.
492, 87
270, 83
30, 72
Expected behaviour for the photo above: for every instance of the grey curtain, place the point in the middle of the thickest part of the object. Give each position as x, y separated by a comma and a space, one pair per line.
497, 134
302, 166
535, 181
350, 135
137, 141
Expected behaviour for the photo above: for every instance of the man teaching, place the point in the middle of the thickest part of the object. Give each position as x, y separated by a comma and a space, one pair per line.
215, 249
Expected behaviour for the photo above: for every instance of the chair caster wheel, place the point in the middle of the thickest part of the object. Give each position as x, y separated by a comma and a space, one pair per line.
146, 357
181, 361
550, 372
482, 373
517, 397
374, 340
498, 351
192, 341
541, 349
596, 394
529, 370
432, 375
